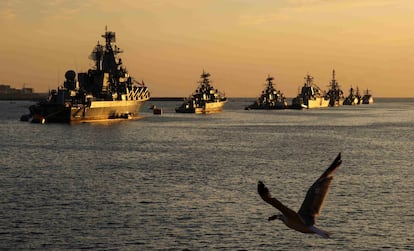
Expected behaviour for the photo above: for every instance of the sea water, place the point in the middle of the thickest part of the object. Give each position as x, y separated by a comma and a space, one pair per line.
189, 182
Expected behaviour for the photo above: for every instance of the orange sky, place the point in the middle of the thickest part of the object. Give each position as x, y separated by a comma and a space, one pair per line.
168, 43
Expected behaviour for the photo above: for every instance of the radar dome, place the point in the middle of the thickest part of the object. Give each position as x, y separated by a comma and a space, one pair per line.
70, 75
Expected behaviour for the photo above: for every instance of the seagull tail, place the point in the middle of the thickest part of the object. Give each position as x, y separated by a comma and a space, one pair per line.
321, 232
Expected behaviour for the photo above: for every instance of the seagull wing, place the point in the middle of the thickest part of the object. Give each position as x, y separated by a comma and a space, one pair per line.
316, 194
265, 194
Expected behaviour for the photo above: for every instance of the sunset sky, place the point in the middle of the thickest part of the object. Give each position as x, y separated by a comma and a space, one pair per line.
168, 43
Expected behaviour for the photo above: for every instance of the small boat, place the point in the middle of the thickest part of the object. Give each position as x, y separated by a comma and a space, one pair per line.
270, 98
204, 100
310, 96
367, 99
106, 91
335, 94
354, 98
156, 110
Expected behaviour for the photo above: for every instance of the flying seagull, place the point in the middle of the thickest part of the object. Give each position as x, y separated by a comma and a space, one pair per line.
304, 220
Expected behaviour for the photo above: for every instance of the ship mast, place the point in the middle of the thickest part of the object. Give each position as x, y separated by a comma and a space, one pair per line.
109, 64
269, 83
205, 82
334, 83
309, 80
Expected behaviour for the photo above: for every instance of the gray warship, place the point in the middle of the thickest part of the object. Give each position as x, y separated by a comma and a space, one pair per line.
270, 98
310, 96
354, 98
367, 99
106, 91
205, 99
335, 94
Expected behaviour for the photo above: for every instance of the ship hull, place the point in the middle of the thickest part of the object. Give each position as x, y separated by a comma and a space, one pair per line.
262, 106
351, 101
319, 102
211, 107
336, 102
96, 110
101, 110
367, 100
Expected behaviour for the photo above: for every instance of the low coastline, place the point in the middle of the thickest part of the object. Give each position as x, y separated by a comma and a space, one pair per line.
24, 96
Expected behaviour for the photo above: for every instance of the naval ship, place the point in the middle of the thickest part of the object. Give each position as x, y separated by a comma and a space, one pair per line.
354, 98
270, 98
204, 100
335, 94
367, 99
106, 91
310, 96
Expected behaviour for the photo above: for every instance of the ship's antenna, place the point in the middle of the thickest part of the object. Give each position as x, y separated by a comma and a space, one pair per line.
57, 76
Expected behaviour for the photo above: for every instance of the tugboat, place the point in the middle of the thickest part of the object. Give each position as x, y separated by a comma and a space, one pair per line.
354, 98
270, 98
104, 92
310, 96
335, 94
204, 100
367, 99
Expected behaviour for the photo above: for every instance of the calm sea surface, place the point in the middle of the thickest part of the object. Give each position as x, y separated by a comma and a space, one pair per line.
189, 182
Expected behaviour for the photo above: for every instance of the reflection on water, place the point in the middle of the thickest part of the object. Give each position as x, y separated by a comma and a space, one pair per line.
184, 181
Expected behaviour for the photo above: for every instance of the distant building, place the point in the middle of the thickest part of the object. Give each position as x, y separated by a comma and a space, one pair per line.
9, 93
27, 90
7, 89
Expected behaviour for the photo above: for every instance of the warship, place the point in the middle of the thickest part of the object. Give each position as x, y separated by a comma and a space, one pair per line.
204, 100
310, 96
367, 99
354, 98
335, 94
270, 98
106, 91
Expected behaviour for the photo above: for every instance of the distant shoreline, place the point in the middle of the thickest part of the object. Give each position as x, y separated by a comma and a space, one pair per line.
21, 96
167, 99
